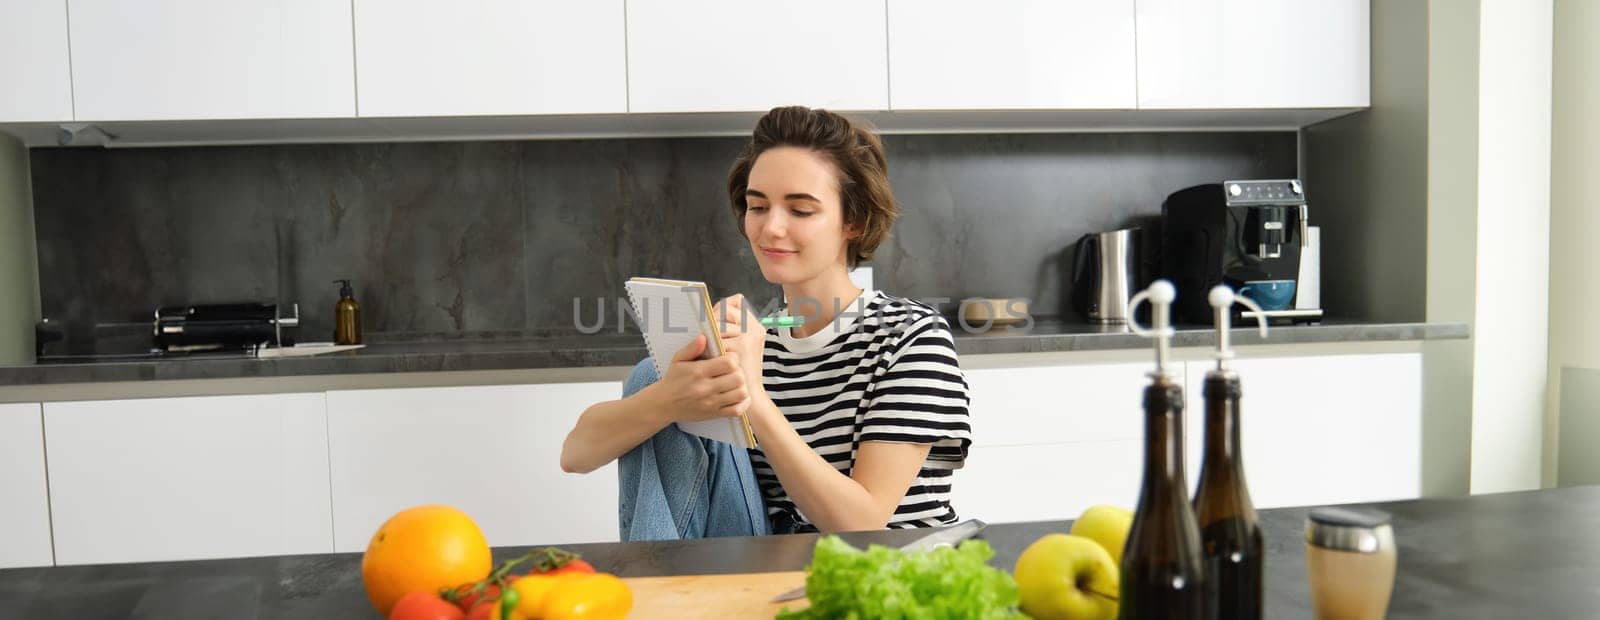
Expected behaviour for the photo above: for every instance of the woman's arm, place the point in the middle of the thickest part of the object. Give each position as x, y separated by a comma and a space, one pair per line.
883, 470
834, 502
692, 390
609, 429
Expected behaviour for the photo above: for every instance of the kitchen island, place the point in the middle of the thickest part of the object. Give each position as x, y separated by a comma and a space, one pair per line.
1531, 554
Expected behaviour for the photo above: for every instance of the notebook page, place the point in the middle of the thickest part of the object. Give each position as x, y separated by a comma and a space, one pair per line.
671, 313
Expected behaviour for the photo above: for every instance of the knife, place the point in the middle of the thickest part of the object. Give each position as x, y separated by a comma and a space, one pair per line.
942, 538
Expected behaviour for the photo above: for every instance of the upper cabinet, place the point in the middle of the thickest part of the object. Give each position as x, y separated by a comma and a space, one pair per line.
210, 59
1213, 54
246, 71
1011, 54
490, 57
33, 61
736, 55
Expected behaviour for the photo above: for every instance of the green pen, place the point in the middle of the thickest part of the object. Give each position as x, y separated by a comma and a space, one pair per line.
782, 321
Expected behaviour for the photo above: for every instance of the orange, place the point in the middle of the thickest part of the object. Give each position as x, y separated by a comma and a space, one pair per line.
425, 548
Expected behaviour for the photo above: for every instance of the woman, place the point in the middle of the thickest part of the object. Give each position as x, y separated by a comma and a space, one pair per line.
861, 412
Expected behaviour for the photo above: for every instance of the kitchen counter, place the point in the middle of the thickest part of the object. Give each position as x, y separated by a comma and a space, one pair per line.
1531, 554
622, 350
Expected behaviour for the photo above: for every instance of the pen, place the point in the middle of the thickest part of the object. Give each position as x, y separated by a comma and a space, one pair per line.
782, 321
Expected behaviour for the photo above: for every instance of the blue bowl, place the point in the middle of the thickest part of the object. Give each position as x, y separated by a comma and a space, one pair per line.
1269, 294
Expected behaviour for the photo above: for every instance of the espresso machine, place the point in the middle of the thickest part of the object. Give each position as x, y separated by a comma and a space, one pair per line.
1245, 233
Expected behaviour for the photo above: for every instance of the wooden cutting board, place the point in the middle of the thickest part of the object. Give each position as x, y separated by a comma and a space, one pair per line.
747, 595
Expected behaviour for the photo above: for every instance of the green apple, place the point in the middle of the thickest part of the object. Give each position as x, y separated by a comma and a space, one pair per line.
1065, 577
1107, 525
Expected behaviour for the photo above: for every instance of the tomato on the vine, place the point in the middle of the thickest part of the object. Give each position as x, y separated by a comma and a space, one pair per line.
466, 597
485, 610
572, 566
495, 597
424, 606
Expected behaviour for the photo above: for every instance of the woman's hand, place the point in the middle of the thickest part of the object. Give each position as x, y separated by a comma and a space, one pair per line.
742, 333
696, 389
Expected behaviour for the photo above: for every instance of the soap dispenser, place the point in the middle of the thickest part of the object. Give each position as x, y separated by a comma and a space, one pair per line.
1163, 569
1230, 533
346, 316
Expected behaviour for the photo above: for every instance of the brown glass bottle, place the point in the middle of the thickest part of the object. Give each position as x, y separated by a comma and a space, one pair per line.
346, 316
1163, 574
1230, 534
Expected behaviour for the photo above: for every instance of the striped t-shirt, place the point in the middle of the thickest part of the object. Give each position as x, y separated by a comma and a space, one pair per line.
884, 370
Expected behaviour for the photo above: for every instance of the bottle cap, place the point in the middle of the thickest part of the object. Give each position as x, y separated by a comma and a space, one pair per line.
1160, 294
344, 288
1222, 299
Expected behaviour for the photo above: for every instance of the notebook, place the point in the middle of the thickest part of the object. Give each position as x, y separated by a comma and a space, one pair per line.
671, 313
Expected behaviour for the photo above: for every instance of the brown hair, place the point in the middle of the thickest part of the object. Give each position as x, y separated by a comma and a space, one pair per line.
856, 155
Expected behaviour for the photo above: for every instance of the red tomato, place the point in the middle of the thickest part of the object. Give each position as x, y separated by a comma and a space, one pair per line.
486, 610
424, 606
572, 566
468, 598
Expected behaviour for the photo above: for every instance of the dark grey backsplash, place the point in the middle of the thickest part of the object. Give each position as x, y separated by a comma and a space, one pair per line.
479, 238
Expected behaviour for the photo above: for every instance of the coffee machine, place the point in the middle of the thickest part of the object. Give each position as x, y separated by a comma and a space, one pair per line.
1236, 233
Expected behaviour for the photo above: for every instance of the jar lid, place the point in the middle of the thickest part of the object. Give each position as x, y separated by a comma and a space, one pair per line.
1349, 516
1359, 530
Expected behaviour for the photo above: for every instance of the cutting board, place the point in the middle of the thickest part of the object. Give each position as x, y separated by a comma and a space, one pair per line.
747, 595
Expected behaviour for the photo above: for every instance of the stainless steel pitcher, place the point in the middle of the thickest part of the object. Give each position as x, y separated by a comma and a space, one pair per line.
1105, 272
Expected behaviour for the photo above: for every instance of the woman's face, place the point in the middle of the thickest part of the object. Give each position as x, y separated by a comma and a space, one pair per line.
794, 219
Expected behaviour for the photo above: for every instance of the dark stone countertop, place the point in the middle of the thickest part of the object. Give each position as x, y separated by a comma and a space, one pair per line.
613, 349
1532, 554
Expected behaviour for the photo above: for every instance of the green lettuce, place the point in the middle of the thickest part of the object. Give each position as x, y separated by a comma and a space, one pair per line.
845, 582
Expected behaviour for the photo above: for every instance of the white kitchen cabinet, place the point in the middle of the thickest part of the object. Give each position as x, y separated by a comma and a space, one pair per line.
1203, 54
1057, 404
1326, 430
34, 66
1049, 441
205, 59
188, 478
733, 55
501, 57
1047, 482
493, 452
25, 520
1011, 54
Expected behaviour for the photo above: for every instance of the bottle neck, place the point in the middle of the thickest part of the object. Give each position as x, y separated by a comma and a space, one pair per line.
1222, 446
1163, 443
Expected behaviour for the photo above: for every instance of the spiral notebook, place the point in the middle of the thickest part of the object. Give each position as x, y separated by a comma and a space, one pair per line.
671, 313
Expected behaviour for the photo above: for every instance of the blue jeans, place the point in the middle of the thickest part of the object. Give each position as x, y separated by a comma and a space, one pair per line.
676, 485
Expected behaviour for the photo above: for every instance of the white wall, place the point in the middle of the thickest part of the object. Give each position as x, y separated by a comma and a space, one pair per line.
1452, 169
1513, 245
1574, 222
